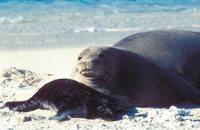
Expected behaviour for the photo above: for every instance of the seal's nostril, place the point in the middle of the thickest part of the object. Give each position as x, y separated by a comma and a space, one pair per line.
101, 55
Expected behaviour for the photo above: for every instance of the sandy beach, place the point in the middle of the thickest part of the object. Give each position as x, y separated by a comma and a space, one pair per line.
20, 84
59, 62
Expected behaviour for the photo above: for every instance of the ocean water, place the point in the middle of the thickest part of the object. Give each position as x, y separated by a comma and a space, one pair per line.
33, 24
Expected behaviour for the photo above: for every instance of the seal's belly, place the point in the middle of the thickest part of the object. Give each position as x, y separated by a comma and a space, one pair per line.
157, 96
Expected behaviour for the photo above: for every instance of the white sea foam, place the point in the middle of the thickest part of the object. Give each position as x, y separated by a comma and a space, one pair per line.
15, 20
121, 29
93, 29
90, 29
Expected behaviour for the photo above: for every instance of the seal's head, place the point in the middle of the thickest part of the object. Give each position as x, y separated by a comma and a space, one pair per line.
96, 67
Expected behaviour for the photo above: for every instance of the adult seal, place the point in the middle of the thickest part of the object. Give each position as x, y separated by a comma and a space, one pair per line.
156, 68
71, 99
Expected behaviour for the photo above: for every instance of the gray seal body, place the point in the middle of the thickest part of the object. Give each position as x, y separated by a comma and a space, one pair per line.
170, 49
157, 68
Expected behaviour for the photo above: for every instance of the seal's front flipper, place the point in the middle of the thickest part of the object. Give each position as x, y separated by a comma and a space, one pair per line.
183, 86
60, 116
22, 106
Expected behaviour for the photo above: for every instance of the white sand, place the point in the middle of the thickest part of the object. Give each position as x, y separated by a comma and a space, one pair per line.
20, 86
59, 62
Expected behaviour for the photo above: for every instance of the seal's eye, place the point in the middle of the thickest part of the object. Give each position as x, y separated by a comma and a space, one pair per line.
101, 55
80, 57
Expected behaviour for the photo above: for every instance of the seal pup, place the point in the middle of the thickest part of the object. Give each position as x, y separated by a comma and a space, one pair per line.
160, 75
71, 99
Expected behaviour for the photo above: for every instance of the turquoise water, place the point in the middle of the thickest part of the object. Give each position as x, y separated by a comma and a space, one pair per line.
30, 24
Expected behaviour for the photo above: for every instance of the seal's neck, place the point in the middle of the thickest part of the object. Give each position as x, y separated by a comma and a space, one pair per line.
99, 85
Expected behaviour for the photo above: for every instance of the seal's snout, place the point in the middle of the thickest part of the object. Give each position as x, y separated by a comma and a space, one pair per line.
85, 66
91, 65
87, 72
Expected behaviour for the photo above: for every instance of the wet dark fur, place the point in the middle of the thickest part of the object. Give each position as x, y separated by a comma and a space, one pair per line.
66, 96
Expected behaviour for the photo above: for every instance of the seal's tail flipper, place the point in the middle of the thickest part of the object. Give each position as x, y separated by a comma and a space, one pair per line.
183, 86
22, 106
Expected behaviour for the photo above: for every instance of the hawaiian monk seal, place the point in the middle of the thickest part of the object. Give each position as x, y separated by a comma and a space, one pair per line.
71, 99
159, 68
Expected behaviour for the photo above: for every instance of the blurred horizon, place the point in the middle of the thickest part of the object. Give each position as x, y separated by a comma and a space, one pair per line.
38, 24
